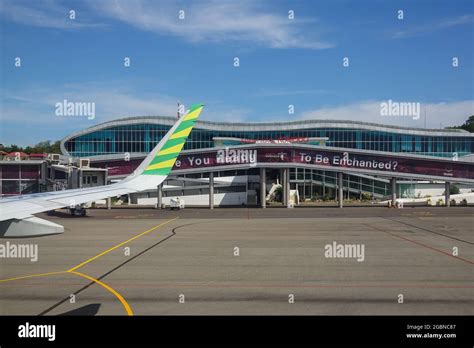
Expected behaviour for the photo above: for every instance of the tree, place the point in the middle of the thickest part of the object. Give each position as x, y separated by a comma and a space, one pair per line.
42, 147
453, 190
468, 125
13, 148
56, 147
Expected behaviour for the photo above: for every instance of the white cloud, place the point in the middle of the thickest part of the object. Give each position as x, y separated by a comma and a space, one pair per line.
442, 114
110, 102
205, 20
286, 92
46, 14
432, 27
32, 110
218, 112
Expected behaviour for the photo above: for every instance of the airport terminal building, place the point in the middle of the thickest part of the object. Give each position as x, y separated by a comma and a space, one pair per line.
242, 163
140, 134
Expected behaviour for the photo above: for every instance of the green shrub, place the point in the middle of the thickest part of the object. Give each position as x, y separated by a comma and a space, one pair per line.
326, 198
453, 190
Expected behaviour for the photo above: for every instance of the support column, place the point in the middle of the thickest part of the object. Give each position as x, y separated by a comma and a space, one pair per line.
109, 203
324, 183
373, 190
393, 182
80, 179
447, 194
348, 188
341, 192
297, 188
263, 187
286, 186
159, 195
211, 190
283, 186
304, 188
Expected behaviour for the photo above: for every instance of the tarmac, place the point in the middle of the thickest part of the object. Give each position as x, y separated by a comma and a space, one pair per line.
247, 261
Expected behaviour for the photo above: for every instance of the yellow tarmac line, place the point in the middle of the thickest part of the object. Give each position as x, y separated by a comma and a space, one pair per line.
105, 286
127, 307
32, 276
119, 245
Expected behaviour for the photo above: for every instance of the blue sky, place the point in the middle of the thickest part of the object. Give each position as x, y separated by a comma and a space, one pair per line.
282, 61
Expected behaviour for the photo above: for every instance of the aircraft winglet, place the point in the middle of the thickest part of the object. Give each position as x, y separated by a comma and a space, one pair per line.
163, 161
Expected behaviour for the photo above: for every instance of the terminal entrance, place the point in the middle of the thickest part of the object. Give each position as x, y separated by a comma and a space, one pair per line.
311, 185
320, 185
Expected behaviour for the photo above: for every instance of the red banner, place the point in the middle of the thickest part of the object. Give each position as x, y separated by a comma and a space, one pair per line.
319, 158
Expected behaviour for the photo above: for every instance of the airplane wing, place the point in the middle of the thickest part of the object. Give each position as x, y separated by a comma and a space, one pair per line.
16, 213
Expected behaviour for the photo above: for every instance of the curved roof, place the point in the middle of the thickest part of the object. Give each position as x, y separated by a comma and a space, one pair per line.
269, 126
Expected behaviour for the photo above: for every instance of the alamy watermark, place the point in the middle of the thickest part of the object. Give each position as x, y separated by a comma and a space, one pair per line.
28, 330
407, 109
67, 108
19, 251
345, 251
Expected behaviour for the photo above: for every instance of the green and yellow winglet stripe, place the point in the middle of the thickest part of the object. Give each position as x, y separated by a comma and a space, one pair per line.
164, 160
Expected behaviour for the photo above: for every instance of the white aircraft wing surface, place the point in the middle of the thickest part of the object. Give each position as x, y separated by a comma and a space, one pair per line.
16, 213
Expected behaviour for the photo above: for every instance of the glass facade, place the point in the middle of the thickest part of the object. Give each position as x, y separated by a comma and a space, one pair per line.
143, 137
313, 183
